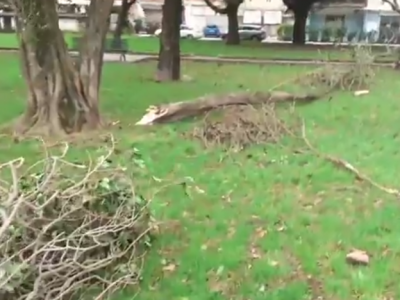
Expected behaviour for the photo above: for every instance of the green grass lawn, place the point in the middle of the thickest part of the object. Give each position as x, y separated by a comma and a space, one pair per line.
218, 48
271, 224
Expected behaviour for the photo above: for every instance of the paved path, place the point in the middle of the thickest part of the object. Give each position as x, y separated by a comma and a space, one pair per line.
138, 58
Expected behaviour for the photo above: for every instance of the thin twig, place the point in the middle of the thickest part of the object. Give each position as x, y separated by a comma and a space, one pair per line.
338, 162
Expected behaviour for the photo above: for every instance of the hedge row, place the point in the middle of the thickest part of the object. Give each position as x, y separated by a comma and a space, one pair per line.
337, 34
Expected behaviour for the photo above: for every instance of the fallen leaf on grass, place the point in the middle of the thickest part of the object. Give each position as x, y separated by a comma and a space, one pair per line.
260, 232
357, 257
157, 179
199, 190
255, 253
169, 268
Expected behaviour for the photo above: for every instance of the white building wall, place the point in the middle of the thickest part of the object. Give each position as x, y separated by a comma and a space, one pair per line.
264, 5
378, 5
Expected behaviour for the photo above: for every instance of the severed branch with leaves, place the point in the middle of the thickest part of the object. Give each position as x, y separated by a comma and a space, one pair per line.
70, 230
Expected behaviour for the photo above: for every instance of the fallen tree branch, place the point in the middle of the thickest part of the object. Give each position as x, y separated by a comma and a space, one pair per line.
185, 109
340, 163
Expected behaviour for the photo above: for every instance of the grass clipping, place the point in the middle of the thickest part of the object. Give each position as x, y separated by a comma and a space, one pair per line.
70, 231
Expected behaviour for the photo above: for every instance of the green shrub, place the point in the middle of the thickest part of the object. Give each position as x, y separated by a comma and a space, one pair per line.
327, 34
351, 36
339, 34
313, 35
285, 32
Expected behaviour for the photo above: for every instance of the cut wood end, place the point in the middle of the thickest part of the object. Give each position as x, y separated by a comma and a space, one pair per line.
360, 93
152, 115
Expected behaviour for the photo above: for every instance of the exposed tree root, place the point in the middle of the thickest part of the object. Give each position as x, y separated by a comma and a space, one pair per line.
340, 163
187, 109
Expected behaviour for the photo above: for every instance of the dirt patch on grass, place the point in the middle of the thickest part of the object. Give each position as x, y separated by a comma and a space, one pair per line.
237, 127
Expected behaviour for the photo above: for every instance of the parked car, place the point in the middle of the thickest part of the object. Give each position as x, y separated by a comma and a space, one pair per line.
212, 31
250, 32
186, 32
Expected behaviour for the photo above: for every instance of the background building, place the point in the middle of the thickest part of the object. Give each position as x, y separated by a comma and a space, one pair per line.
354, 18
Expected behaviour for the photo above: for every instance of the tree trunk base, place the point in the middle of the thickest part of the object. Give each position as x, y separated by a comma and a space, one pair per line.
43, 122
63, 96
186, 109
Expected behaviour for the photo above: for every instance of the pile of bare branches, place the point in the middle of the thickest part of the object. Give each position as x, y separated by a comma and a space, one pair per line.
347, 77
237, 127
70, 230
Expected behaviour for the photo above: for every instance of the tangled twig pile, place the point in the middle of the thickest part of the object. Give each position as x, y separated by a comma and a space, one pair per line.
240, 126
71, 230
343, 77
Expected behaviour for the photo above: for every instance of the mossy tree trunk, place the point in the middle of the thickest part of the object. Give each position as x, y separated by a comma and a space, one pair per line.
63, 97
169, 60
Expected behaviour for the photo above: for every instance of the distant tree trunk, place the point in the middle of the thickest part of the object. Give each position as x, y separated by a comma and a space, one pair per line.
233, 37
7, 24
299, 28
169, 62
122, 21
61, 98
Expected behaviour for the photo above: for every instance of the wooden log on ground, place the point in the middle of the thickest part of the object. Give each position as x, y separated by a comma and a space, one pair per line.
186, 109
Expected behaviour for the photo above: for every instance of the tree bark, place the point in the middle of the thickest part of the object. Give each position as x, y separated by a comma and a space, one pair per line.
232, 37
122, 21
61, 98
182, 110
169, 62
299, 28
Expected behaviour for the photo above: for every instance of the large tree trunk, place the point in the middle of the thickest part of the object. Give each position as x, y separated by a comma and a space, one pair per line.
299, 28
122, 21
169, 61
61, 98
7, 21
232, 37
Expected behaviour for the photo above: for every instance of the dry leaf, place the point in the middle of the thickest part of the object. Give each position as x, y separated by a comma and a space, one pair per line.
260, 232
255, 253
169, 268
157, 179
199, 190
357, 257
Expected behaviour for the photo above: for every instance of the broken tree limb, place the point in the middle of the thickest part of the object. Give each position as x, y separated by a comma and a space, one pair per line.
342, 164
186, 109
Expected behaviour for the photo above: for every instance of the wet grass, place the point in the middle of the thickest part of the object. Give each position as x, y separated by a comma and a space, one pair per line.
271, 223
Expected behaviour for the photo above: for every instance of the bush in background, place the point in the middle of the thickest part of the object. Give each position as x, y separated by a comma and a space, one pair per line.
327, 34
285, 32
313, 35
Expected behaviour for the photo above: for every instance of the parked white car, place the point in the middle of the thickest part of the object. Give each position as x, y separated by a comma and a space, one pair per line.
186, 32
